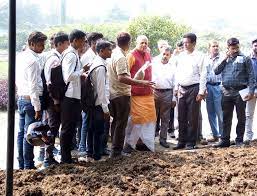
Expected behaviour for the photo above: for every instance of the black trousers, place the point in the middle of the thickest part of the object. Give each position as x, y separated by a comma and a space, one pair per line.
120, 108
70, 114
188, 115
228, 104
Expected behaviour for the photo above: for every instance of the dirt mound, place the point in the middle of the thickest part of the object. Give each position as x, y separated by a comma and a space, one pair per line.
231, 171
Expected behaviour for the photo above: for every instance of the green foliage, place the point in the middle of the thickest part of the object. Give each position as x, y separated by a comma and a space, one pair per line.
206, 37
109, 30
155, 28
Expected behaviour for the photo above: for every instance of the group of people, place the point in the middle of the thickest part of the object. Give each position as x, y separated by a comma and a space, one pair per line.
136, 95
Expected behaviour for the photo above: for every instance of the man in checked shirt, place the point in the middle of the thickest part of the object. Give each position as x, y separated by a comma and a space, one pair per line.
237, 74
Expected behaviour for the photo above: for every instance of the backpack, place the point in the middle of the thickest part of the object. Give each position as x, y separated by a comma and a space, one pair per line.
45, 95
87, 93
57, 88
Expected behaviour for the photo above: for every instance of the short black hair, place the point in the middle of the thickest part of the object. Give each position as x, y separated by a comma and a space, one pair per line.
254, 41
94, 36
179, 44
60, 37
191, 36
76, 34
36, 37
101, 45
123, 39
232, 41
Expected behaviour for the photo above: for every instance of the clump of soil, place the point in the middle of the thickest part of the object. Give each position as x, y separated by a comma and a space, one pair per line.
230, 171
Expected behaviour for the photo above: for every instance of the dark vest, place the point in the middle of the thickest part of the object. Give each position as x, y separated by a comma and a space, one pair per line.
140, 59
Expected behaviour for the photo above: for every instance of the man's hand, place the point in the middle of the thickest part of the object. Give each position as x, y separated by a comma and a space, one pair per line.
38, 115
147, 83
173, 104
86, 67
106, 116
248, 97
199, 97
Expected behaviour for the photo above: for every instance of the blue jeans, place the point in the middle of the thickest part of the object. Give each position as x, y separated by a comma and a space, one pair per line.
25, 150
83, 132
214, 109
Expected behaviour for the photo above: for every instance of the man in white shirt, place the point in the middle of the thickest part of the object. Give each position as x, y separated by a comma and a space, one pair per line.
90, 54
86, 60
191, 83
162, 44
164, 78
70, 106
61, 43
30, 88
99, 79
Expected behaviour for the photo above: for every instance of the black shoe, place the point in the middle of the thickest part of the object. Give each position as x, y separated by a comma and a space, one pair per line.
179, 146
128, 149
164, 144
106, 152
222, 145
190, 147
239, 144
115, 155
247, 142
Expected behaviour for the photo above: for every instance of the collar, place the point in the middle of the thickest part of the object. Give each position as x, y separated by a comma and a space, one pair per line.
122, 51
32, 52
253, 56
70, 48
100, 61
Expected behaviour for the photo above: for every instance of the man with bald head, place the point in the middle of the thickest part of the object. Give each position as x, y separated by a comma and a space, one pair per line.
141, 123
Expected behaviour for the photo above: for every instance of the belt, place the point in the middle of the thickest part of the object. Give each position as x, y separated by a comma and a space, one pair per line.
25, 97
190, 86
214, 83
237, 88
163, 90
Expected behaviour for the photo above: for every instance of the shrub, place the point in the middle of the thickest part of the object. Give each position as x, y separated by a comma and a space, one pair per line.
3, 94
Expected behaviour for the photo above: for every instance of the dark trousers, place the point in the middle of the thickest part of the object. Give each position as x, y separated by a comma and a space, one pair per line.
70, 114
120, 108
106, 135
228, 104
171, 121
162, 106
95, 132
188, 115
54, 121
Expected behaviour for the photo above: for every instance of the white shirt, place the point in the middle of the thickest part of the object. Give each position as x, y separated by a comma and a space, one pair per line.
69, 62
190, 70
88, 57
28, 77
52, 59
163, 75
99, 79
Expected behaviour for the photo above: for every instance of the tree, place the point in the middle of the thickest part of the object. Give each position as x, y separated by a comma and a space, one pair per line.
156, 28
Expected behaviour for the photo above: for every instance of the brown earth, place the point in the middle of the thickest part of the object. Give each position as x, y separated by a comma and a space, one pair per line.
231, 171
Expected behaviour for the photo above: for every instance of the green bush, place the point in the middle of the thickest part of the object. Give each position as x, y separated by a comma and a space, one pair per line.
155, 28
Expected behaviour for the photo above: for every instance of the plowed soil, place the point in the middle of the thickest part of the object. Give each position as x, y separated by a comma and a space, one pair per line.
209, 171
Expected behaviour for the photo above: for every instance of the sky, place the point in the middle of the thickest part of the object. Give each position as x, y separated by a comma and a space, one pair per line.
195, 13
